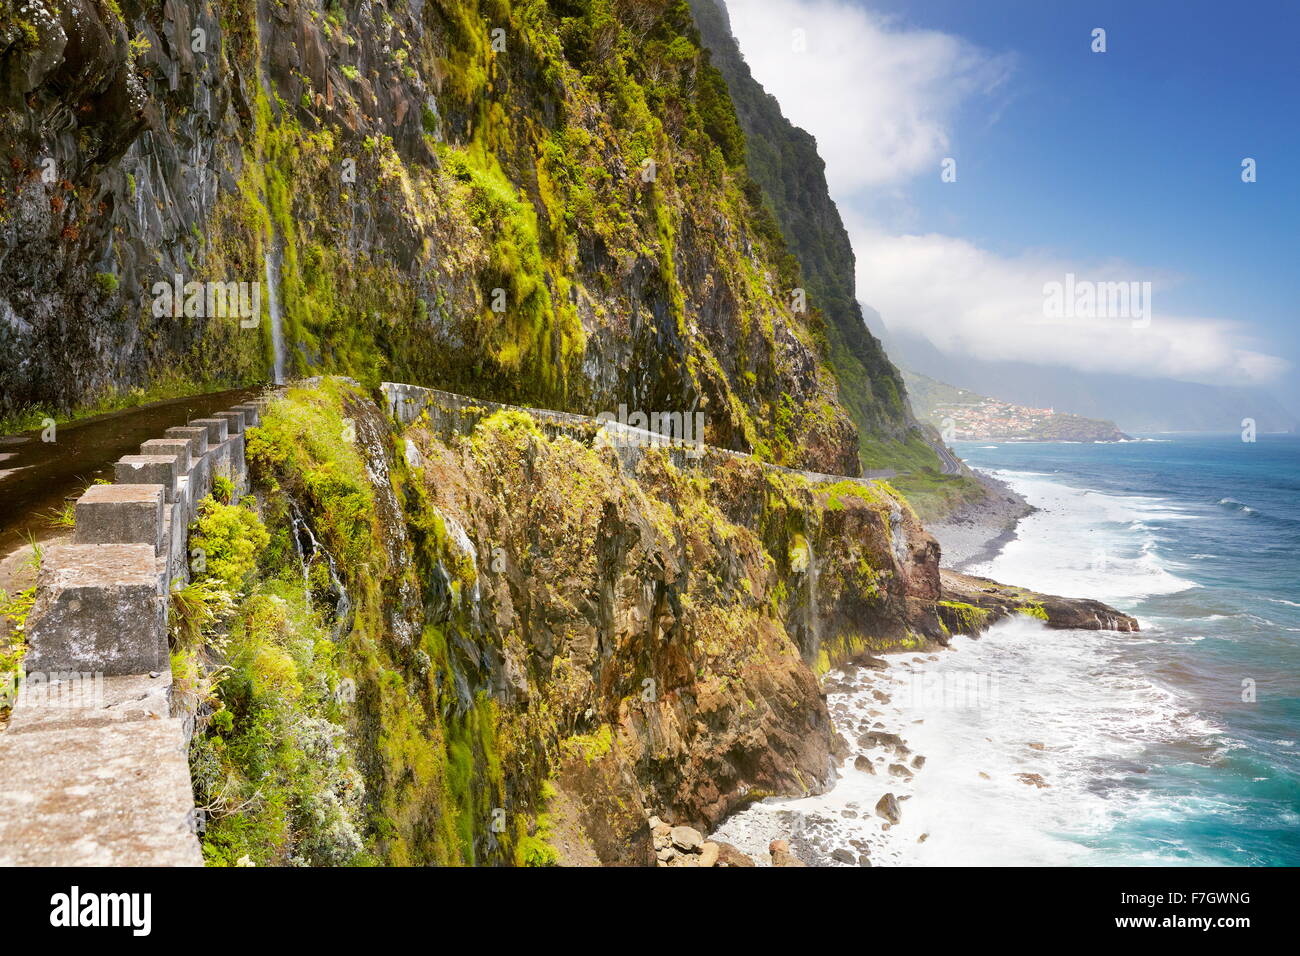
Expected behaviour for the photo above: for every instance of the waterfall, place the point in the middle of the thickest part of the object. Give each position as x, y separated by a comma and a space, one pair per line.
273, 305
309, 548
814, 623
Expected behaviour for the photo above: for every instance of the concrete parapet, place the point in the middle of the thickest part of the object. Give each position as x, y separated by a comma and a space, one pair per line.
179, 447
234, 419
71, 699
121, 514
227, 460
218, 429
176, 530
252, 414
150, 470
199, 484
196, 435
99, 795
93, 769
99, 608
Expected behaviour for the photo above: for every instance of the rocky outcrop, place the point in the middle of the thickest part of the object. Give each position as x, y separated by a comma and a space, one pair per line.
641, 631
993, 601
647, 628
782, 855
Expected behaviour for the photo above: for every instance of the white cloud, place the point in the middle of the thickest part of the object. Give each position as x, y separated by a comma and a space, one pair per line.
968, 301
879, 98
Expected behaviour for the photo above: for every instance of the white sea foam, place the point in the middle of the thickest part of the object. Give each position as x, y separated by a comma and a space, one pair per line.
974, 715
1085, 543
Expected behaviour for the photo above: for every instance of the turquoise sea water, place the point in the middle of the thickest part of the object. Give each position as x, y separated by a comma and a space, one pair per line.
1193, 727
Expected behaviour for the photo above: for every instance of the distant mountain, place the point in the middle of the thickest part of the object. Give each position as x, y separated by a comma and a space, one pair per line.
1134, 404
963, 415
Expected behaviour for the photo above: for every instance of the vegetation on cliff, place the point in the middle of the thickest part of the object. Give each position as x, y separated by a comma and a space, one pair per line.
453, 650
545, 203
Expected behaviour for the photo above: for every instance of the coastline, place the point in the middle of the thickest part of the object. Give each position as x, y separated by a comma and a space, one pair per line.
977, 532
880, 707
1077, 746
877, 705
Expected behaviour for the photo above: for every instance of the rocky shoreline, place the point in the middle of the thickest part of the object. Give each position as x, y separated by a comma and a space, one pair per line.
976, 532
862, 821
874, 702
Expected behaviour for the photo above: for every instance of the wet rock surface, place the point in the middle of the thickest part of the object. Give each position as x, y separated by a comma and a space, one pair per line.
323, 162
1058, 613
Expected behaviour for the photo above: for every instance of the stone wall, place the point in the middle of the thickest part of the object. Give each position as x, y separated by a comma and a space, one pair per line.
94, 765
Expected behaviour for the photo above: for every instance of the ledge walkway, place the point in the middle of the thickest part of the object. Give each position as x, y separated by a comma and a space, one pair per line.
450, 413
93, 766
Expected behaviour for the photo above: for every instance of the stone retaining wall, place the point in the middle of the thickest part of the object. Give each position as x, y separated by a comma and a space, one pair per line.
93, 765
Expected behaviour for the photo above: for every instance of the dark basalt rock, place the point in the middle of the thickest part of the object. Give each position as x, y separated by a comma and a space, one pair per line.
1058, 613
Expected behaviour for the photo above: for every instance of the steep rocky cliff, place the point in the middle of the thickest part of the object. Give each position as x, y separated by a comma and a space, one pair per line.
504, 643
531, 623
783, 160
539, 202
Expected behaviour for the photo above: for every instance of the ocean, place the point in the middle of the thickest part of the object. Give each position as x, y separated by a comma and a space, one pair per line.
1177, 745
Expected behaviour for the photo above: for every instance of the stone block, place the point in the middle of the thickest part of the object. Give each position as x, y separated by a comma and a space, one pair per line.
121, 514
176, 529
234, 419
149, 470
99, 608
238, 465
196, 435
218, 429
252, 414
70, 699
200, 483
179, 447
116, 795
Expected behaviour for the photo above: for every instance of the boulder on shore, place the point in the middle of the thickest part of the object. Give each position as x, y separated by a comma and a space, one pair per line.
887, 808
781, 855
688, 839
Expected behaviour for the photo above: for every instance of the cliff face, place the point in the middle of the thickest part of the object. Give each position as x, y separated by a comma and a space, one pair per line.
783, 160
534, 628
543, 636
544, 203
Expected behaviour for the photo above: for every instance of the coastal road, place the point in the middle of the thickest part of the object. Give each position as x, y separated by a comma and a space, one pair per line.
948, 462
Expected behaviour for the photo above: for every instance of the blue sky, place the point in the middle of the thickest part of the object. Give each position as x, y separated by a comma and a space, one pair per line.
1123, 164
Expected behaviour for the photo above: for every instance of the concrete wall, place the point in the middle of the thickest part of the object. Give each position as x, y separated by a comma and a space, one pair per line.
94, 765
